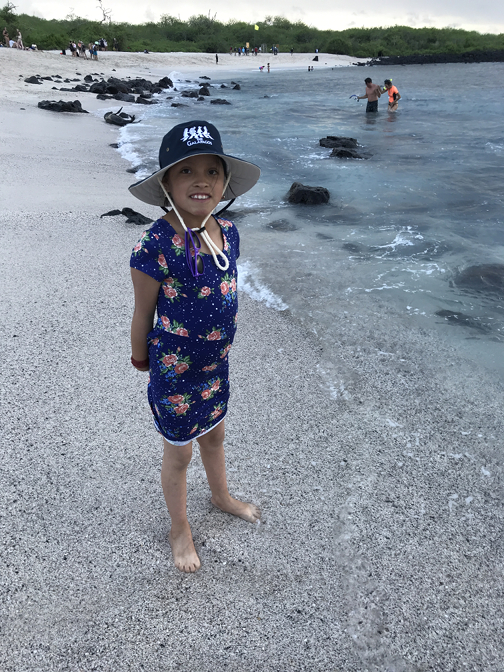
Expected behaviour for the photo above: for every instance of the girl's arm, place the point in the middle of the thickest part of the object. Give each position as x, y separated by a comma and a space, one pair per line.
146, 294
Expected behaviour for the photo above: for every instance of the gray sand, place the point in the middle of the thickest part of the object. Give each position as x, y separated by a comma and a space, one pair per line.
380, 547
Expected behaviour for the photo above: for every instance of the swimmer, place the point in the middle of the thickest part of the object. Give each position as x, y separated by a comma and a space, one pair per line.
393, 94
373, 92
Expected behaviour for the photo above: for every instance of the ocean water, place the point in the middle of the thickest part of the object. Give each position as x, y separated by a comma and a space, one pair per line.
400, 226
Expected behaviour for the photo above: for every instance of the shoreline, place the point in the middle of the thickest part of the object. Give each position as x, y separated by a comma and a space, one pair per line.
382, 511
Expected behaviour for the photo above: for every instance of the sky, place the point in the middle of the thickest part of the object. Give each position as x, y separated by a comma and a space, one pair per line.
485, 16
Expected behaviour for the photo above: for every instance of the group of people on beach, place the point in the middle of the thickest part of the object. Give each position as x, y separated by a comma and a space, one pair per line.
244, 51
78, 49
374, 91
17, 43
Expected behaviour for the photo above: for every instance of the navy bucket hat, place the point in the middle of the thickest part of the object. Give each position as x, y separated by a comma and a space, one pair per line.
194, 138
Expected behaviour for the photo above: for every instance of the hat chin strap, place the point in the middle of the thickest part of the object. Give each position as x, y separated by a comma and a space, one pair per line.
202, 231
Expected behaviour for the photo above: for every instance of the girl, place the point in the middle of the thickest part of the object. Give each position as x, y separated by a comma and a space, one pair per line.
184, 268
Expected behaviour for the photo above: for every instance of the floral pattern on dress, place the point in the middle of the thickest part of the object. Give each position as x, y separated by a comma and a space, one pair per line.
188, 388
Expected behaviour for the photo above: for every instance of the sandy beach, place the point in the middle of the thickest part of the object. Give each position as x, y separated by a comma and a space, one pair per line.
380, 547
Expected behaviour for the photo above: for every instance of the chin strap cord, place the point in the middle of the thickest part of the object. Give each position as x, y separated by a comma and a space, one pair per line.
222, 265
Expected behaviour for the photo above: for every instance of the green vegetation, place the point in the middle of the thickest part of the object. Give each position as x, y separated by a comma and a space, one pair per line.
204, 34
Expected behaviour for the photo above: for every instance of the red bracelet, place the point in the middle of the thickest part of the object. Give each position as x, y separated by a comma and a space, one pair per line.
140, 365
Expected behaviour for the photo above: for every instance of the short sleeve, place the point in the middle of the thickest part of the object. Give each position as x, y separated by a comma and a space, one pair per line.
148, 257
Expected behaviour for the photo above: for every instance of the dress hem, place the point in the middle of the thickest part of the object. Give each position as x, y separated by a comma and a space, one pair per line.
184, 443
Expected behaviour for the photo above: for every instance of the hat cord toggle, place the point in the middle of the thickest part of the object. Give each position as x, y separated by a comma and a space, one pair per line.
202, 231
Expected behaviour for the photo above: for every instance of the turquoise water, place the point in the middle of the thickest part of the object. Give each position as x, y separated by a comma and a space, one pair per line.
399, 226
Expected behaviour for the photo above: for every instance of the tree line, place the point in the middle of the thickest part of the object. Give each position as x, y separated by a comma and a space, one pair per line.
206, 34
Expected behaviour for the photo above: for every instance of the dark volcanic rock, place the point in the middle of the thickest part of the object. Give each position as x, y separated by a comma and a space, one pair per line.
200, 99
487, 56
220, 101
178, 105
236, 87
300, 193
204, 91
482, 278
88, 78
145, 101
134, 217
165, 83
50, 79
61, 106
190, 94
343, 148
224, 86
98, 87
332, 141
125, 97
140, 83
118, 84
111, 213
104, 96
204, 77
81, 88
32, 80
343, 153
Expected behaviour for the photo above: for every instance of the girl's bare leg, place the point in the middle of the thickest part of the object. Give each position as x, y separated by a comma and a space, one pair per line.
212, 456
173, 479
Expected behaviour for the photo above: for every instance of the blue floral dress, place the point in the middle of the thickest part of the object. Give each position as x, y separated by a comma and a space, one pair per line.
188, 388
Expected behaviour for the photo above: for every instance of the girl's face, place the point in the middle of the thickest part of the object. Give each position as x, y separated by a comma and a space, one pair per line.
195, 185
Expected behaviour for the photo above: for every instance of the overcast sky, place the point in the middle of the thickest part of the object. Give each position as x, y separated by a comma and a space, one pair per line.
485, 16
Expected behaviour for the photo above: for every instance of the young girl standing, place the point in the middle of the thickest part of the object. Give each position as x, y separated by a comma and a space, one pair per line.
184, 268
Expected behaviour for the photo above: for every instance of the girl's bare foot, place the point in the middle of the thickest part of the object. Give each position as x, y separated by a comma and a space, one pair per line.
249, 512
184, 554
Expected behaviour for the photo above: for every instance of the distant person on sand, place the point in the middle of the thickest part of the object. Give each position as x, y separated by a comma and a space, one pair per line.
393, 94
216, 59
268, 66
373, 92
6, 37
184, 267
19, 41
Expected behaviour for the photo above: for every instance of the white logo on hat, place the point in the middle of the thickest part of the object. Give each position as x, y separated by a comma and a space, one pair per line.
195, 136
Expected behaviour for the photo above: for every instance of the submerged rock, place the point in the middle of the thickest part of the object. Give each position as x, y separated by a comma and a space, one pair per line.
463, 320
482, 278
220, 101
343, 148
282, 225
300, 193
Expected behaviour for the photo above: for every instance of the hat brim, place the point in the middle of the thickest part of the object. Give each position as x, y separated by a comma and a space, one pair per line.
244, 176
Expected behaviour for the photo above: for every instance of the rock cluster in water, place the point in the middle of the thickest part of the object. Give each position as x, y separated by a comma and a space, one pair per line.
343, 148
